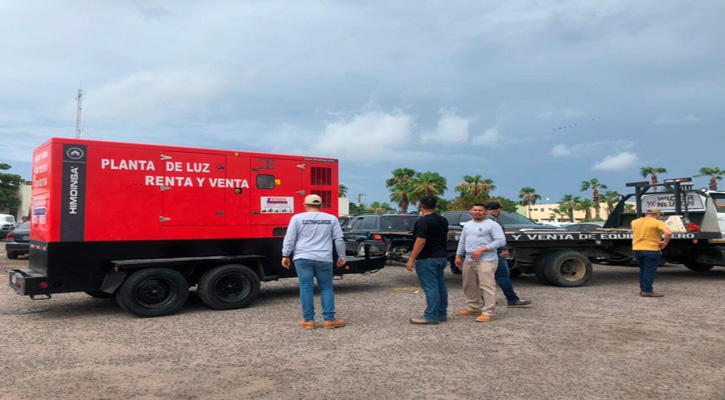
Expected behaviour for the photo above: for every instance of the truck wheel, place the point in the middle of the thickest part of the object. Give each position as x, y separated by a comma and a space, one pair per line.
540, 264
514, 272
568, 268
696, 266
12, 255
228, 287
153, 292
100, 295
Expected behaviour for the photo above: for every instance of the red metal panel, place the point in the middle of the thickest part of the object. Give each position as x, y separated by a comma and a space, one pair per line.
122, 203
275, 205
238, 197
42, 210
194, 188
321, 178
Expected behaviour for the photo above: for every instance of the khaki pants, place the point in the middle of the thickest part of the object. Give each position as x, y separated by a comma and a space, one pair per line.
479, 281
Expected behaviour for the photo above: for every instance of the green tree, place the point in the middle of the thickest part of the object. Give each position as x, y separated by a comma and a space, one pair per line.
715, 175
342, 191
399, 187
506, 204
652, 173
629, 208
594, 185
442, 205
475, 188
569, 203
560, 212
586, 206
611, 197
380, 208
528, 197
426, 184
9, 185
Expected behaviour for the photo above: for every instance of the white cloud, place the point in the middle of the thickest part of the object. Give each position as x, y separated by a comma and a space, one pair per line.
668, 120
561, 150
586, 149
452, 129
617, 162
370, 136
490, 137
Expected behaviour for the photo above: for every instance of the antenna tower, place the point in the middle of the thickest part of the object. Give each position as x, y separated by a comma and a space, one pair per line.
79, 112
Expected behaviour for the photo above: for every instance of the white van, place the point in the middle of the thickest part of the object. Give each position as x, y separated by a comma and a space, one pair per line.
7, 224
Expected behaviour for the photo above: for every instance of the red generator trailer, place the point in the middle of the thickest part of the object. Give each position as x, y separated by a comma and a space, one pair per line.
144, 223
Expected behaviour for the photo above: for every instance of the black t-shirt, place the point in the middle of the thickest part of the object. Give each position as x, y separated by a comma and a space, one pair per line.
434, 229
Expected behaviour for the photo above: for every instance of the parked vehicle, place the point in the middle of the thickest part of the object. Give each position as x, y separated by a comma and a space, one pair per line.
143, 223
17, 242
511, 220
7, 224
359, 230
584, 226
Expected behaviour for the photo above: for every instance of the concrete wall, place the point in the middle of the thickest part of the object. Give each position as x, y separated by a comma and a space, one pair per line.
24, 207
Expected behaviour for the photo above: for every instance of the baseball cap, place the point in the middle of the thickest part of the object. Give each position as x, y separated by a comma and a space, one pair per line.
492, 206
654, 210
313, 200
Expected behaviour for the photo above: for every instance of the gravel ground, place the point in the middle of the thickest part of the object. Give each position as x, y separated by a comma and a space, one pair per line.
601, 341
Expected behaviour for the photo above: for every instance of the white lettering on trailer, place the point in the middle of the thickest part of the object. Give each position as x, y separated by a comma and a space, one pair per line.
516, 237
198, 167
221, 182
201, 181
73, 204
150, 180
130, 165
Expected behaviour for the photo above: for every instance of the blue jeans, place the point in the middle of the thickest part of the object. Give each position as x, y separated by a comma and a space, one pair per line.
648, 261
503, 278
430, 275
307, 271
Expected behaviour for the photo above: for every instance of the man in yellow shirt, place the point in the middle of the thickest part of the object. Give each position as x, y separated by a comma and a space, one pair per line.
647, 244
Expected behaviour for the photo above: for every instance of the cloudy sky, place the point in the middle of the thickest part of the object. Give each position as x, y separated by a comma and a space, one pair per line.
527, 93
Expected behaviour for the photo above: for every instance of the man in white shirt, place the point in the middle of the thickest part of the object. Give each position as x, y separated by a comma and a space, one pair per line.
479, 244
310, 237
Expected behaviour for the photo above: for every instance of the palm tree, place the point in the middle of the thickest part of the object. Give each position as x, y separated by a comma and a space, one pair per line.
595, 186
586, 206
528, 197
426, 184
611, 197
561, 212
715, 175
569, 203
652, 172
342, 191
399, 187
475, 188
629, 208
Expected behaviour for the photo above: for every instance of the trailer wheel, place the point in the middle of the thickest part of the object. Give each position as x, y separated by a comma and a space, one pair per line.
100, 295
12, 255
696, 266
153, 292
568, 268
228, 287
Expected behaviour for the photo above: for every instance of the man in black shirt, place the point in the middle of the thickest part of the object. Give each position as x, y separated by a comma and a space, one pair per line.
429, 259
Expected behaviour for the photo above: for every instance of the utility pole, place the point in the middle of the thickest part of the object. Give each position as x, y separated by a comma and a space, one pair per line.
359, 198
79, 112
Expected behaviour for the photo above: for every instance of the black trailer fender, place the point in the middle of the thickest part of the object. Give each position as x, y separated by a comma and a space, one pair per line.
112, 281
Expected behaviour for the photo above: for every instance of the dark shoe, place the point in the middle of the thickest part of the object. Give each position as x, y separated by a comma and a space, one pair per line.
422, 321
520, 304
651, 294
443, 318
338, 323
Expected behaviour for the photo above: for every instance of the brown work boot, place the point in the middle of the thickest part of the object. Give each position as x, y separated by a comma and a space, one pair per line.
651, 294
308, 325
338, 323
485, 318
468, 313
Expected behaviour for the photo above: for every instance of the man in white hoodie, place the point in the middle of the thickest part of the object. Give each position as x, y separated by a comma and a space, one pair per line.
310, 236
479, 244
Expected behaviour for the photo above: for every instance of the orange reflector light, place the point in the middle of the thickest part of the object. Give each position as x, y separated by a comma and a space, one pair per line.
378, 238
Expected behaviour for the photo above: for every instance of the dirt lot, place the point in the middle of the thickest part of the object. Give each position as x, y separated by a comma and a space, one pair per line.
601, 341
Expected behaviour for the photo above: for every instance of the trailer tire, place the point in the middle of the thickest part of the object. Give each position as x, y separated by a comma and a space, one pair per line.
228, 287
696, 266
12, 255
100, 295
568, 268
514, 272
153, 292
